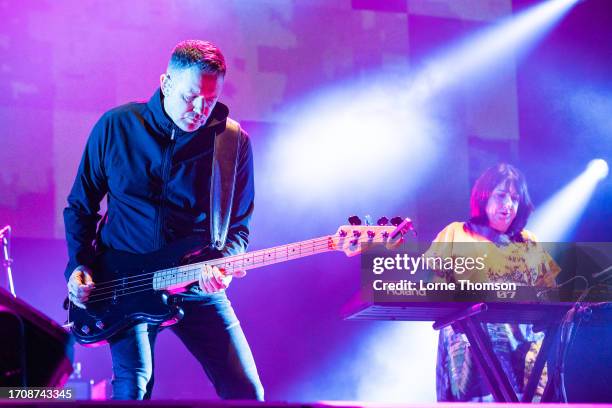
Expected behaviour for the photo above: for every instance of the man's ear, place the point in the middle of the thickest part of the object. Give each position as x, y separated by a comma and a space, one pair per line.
165, 83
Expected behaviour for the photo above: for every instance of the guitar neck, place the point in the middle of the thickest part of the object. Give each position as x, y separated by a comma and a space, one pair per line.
182, 276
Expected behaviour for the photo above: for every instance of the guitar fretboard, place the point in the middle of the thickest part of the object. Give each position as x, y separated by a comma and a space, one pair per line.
181, 276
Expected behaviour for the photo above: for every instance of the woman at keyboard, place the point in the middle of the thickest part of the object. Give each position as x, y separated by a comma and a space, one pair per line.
499, 209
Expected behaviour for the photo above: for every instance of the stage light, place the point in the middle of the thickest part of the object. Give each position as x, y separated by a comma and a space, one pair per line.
598, 168
555, 219
354, 149
349, 139
364, 145
354, 146
477, 56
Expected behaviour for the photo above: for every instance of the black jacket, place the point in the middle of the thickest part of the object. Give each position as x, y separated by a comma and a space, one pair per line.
157, 181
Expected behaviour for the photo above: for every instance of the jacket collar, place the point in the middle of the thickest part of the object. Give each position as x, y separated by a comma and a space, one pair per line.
155, 105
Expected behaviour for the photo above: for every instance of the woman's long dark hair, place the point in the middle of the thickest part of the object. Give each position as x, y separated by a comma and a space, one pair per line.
483, 188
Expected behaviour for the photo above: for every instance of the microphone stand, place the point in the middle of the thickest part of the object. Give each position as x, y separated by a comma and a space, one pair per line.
5, 234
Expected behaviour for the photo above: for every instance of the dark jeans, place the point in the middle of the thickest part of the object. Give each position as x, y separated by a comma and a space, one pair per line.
210, 331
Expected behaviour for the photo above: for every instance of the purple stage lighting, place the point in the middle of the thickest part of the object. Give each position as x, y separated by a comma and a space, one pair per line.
554, 220
498, 46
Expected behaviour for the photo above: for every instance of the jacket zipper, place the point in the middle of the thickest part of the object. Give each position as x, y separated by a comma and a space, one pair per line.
166, 165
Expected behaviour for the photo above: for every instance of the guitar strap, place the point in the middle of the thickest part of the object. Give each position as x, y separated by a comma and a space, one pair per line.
222, 181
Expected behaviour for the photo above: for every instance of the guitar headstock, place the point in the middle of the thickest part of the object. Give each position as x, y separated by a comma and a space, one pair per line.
350, 238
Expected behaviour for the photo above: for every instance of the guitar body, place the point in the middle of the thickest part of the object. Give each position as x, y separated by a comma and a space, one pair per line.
123, 295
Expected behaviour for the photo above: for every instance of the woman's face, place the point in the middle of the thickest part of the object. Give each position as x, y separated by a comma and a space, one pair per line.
502, 206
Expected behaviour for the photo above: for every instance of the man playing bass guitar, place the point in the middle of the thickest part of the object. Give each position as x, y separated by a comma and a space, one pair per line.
161, 166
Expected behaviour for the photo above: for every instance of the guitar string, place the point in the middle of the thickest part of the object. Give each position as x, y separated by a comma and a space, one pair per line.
218, 261
147, 287
193, 273
147, 281
189, 271
315, 246
112, 297
311, 251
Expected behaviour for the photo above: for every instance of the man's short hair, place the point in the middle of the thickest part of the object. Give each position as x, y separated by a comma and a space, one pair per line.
197, 53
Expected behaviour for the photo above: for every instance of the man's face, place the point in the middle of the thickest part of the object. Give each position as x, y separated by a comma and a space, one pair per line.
190, 96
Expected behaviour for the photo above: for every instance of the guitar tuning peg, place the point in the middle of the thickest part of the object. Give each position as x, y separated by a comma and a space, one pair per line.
382, 221
354, 220
367, 219
396, 221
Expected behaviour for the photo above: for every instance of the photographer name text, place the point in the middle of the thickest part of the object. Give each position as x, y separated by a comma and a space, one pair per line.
420, 285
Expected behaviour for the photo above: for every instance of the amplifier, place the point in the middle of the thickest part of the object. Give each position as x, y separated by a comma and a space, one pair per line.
35, 351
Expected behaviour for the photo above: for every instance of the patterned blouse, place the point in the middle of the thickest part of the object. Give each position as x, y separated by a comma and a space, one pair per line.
525, 263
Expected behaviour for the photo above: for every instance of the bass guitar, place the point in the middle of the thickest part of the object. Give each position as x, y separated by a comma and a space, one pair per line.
132, 288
